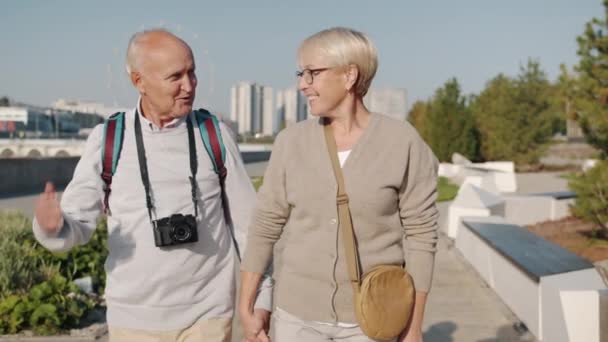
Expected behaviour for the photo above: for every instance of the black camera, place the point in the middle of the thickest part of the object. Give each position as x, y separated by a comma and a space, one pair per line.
175, 230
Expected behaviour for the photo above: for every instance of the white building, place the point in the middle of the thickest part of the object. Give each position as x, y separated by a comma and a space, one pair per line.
14, 114
240, 106
87, 107
267, 111
251, 108
387, 101
292, 107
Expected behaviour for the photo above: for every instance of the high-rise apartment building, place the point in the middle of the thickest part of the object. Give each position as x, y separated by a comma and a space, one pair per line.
387, 101
292, 107
251, 107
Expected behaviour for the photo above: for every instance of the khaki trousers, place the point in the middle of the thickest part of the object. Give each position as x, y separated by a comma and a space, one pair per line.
289, 328
212, 330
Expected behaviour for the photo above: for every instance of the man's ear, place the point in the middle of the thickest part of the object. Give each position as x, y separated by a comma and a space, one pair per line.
352, 75
138, 81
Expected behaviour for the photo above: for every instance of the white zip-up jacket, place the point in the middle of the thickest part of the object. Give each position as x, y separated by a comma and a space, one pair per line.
148, 287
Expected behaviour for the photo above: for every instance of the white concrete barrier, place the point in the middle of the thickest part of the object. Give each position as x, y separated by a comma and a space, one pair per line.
517, 291
554, 292
497, 176
570, 306
530, 209
448, 170
472, 201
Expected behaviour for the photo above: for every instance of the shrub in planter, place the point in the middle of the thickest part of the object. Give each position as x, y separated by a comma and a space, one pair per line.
36, 286
53, 305
592, 197
20, 265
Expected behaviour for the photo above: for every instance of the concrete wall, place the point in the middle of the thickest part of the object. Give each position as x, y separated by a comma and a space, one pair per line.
255, 156
570, 305
524, 210
518, 291
28, 175
603, 315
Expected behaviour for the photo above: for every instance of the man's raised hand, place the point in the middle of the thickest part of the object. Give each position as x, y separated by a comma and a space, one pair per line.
47, 211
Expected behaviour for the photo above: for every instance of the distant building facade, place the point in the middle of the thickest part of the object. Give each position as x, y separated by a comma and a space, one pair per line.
291, 107
388, 101
32, 122
86, 107
251, 108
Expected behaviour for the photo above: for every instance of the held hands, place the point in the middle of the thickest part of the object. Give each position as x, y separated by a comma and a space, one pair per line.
47, 210
255, 325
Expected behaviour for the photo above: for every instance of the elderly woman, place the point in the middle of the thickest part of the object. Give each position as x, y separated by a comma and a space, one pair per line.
390, 176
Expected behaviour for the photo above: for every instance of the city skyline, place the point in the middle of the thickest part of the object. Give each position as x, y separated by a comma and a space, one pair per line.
58, 50
251, 107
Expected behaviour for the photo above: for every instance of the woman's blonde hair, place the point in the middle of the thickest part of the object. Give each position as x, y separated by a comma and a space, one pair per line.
342, 47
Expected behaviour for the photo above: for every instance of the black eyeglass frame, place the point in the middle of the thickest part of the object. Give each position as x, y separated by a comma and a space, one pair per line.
311, 74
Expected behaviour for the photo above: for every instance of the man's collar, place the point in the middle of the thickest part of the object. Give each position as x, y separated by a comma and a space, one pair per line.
152, 126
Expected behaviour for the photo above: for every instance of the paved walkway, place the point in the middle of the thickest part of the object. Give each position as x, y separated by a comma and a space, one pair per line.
461, 307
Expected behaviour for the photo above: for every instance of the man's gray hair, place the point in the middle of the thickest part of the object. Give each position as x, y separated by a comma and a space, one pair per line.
133, 55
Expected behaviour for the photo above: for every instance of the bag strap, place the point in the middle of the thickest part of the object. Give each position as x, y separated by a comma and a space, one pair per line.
111, 146
209, 127
345, 223
212, 139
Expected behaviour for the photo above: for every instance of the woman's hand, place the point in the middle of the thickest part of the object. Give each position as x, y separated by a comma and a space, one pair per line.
255, 325
411, 335
413, 330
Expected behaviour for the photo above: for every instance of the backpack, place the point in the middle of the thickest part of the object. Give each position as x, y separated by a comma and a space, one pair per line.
113, 132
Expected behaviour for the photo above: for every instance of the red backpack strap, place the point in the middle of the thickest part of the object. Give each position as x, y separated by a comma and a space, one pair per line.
209, 128
110, 152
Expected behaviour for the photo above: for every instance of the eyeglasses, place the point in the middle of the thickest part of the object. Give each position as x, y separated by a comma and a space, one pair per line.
309, 74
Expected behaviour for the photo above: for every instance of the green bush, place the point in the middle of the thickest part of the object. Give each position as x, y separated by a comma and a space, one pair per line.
36, 286
24, 262
83, 261
592, 197
449, 124
20, 264
515, 117
49, 307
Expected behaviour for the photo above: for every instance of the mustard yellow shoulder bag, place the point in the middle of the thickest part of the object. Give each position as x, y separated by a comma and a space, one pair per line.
384, 296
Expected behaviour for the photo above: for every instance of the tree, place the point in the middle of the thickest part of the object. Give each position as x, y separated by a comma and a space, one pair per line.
592, 197
592, 104
449, 124
4, 101
564, 99
514, 116
566, 92
417, 117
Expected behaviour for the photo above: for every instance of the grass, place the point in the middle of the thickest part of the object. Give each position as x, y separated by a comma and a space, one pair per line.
257, 182
13, 219
447, 191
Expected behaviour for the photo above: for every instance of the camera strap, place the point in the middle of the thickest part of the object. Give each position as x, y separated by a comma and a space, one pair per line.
143, 164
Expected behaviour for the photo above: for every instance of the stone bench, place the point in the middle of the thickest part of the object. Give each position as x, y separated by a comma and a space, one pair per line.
551, 290
538, 207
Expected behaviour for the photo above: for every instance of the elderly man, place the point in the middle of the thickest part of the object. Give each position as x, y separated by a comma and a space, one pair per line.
160, 290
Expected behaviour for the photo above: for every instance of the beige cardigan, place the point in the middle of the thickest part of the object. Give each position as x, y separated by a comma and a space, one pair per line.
391, 181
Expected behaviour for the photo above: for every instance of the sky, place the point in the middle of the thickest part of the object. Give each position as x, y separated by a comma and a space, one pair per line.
75, 49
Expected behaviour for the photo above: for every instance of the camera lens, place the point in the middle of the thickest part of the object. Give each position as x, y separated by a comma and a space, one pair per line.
181, 233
